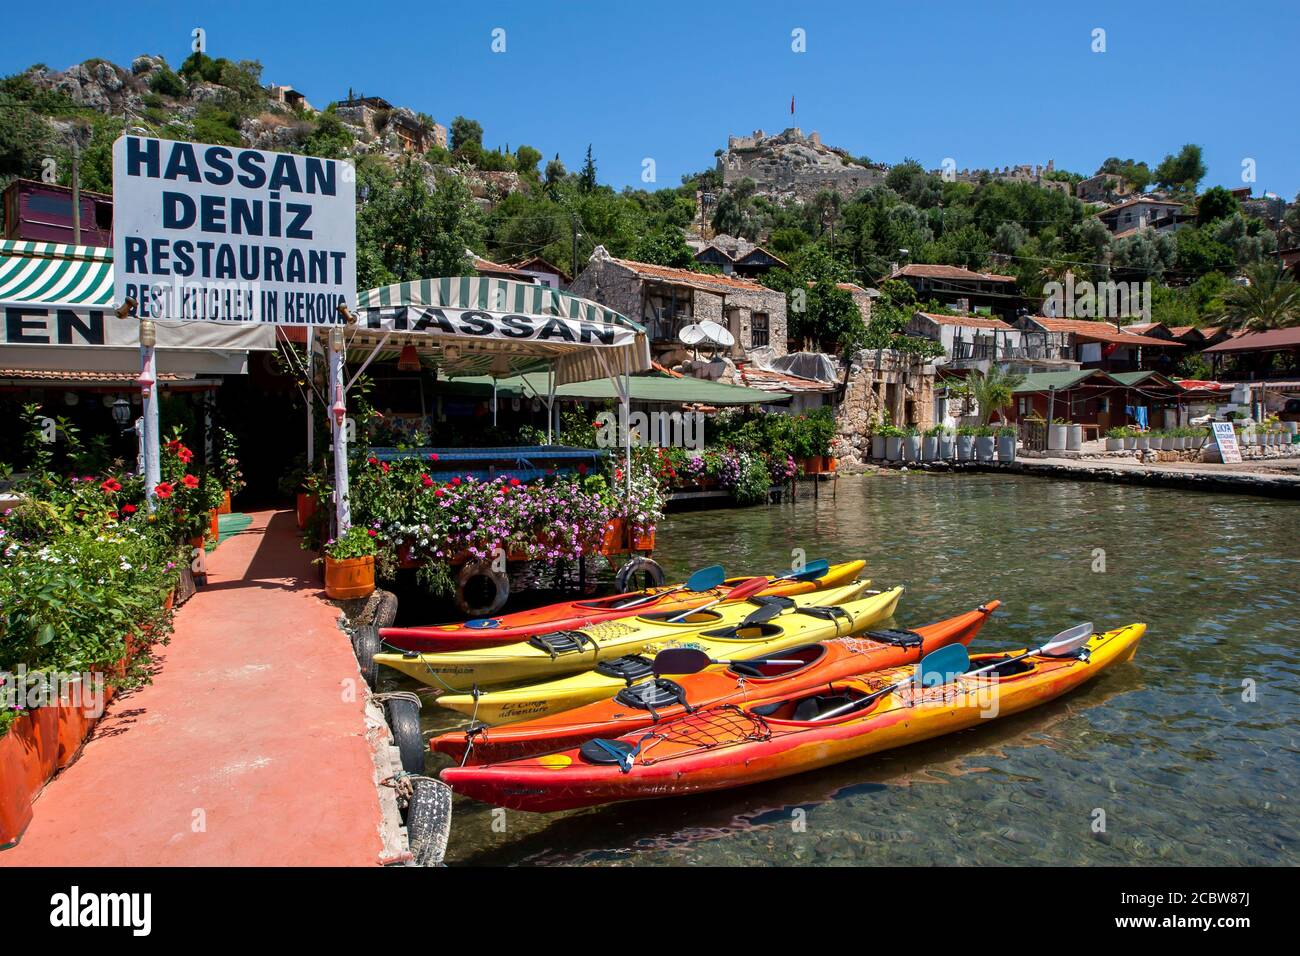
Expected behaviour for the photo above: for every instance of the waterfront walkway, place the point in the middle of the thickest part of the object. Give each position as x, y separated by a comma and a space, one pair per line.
1278, 477
249, 748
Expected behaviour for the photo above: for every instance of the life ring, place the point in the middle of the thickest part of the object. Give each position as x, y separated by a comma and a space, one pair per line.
481, 590
639, 573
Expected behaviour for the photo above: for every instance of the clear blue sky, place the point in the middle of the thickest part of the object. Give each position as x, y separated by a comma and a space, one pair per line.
988, 84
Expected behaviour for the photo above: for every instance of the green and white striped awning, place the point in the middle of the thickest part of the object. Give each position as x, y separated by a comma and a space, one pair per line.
56, 272
492, 295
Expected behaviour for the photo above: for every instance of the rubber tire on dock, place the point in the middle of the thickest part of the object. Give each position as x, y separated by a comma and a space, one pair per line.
627, 580
403, 716
385, 609
428, 821
366, 644
499, 582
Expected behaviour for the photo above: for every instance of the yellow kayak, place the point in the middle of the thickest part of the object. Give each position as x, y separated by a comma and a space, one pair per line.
548, 656
791, 629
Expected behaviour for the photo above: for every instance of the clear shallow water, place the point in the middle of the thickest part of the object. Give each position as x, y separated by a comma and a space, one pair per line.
1184, 770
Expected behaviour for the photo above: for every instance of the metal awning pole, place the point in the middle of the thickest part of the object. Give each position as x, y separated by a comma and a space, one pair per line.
342, 509
494, 402
311, 398
149, 411
627, 428
550, 403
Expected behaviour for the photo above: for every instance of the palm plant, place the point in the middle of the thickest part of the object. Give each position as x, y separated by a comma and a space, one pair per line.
992, 390
1270, 301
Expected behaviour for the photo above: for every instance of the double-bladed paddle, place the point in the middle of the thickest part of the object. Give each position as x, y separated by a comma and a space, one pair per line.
688, 660
1062, 645
740, 592
705, 579
937, 667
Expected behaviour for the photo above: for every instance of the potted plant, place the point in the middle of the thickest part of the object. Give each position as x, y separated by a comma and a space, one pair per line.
1115, 439
985, 443
1142, 442
912, 443
1057, 434
350, 564
947, 443
893, 442
1007, 443
1073, 436
930, 443
966, 442
878, 444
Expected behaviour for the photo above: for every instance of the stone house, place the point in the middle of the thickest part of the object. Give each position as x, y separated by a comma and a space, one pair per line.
881, 385
961, 289
1143, 212
665, 300
969, 341
735, 255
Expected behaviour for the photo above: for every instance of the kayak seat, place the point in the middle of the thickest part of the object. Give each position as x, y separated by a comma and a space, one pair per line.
772, 600
631, 668
1009, 668
810, 708
895, 637
561, 642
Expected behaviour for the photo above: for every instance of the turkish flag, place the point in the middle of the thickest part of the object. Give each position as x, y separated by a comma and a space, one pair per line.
1109, 349
792, 106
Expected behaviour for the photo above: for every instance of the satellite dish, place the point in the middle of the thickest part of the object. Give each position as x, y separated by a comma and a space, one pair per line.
717, 334
691, 334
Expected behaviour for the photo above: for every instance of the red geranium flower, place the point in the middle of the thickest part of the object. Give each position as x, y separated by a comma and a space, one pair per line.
163, 490
582, 468
111, 485
372, 461
439, 493
383, 466
189, 481
514, 482
433, 456
128, 509
455, 481
426, 481
372, 532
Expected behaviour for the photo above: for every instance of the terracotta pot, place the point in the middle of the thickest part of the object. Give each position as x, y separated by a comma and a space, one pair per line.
349, 578
643, 542
306, 508
831, 462
224, 507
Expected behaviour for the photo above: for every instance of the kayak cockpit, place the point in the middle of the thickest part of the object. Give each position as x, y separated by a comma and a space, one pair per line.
762, 668
815, 708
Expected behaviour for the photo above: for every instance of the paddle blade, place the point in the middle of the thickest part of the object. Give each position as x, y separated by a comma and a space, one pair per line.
811, 571
706, 579
680, 660
746, 589
942, 666
1068, 641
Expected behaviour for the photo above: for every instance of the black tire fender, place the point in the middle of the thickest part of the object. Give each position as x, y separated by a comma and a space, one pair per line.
365, 641
403, 716
428, 821
624, 580
500, 584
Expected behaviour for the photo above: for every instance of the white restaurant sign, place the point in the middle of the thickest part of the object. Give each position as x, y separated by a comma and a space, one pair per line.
223, 234
1226, 438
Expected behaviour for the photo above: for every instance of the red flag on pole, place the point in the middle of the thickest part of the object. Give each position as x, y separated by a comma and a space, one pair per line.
792, 106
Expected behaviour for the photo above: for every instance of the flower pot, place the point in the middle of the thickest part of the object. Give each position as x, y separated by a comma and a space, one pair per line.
224, 507
930, 448
1291, 427
643, 540
611, 541
1006, 448
912, 447
348, 578
878, 447
1143, 443
19, 761
984, 446
1156, 442
214, 526
1056, 437
1130, 442
831, 462
1073, 437
1114, 444
965, 447
306, 508
894, 448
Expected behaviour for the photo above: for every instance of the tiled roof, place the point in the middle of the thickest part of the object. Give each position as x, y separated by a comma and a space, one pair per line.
930, 271
1141, 328
1273, 339
699, 280
487, 265
1098, 332
967, 321
1137, 202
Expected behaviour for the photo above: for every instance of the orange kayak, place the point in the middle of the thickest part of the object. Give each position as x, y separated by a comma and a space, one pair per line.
644, 704
572, 615
731, 745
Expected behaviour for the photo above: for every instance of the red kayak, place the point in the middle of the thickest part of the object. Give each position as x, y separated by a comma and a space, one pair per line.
650, 702
572, 615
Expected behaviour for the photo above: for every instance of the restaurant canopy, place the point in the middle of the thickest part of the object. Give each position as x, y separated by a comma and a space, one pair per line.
468, 326
56, 313
651, 389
